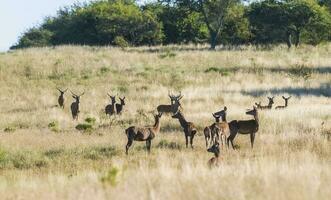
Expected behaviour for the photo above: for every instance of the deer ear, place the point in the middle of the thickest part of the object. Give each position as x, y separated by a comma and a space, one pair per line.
289, 97
73, 97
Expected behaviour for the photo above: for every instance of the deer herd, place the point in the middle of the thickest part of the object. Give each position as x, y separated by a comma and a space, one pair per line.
218, 133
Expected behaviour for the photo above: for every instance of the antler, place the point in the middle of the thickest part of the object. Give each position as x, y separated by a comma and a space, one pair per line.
73, 94
82, 94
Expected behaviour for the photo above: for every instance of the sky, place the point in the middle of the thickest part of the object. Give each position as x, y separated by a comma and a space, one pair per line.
16, 16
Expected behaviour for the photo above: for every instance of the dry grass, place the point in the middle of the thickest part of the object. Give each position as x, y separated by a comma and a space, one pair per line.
291, 159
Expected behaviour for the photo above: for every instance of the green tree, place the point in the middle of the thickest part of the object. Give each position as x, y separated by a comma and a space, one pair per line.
34, 37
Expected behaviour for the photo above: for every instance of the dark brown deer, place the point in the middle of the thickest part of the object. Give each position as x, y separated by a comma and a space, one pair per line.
75, 105
110, 108
147, 134
60, 100
119, 107
189, 128
214, 161
286, 103
244, 127
267, 107
173, 107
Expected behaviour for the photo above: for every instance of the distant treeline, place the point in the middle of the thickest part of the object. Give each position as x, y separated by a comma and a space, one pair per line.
230, 22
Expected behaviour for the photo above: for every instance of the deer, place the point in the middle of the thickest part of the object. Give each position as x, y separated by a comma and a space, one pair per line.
173, 107
286, 102
189, 128
269, 106
110, 108
119, 106
212, 132
244, 127
214, 161
60, 100
135, 133
75, 105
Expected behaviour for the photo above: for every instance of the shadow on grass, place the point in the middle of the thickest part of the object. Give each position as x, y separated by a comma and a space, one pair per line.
324, 90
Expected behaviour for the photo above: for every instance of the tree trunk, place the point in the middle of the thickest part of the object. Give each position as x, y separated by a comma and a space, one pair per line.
213, 40
297, 38
288, 39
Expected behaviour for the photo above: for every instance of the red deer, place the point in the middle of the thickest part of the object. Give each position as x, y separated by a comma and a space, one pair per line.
244, 127
119, 107
214, 161
173, 107
189, 128
110, 108
75, 105
147, 134
269, 106
60, 100
286, 103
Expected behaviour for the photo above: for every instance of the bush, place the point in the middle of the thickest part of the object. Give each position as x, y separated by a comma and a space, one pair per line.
90, 120
120, 42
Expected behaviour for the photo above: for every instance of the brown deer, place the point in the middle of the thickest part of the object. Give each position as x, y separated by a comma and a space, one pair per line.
286, 103
119, 107
212, 132
221, 128
173, 107
214, 161
75, 105
60, 100
147, 134
189, 128
244, 127
269, 106
110, 108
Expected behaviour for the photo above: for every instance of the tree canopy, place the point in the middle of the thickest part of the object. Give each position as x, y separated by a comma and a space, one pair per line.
230, 22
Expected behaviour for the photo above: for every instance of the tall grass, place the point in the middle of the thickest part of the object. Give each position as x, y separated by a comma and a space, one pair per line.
43, 154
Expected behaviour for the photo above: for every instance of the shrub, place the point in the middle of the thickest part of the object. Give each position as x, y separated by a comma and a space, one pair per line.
90, 120
121, 42
84, 127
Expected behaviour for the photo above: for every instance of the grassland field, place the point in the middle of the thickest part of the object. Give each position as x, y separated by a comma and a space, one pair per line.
44, 156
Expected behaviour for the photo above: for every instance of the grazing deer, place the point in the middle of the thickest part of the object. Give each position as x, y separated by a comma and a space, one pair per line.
212, 132
75, 105
60, 100
269, 106
286, 102
214, 161
175, 104
110, 108
189, 128
244, 127
147, 134
119, 107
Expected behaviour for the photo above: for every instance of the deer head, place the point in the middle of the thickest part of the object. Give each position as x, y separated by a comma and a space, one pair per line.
214, 149
175, 98
61, 91
252, 112
271, 100
122, 101
113, 98
76, 97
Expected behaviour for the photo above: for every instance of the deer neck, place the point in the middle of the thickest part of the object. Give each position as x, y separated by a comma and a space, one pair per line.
217, 120
286, 103
224, 117
256, 117
217, 154
156, 126
182, 121
270, 105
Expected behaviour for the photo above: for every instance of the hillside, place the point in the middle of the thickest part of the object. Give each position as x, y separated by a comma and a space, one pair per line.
43, 155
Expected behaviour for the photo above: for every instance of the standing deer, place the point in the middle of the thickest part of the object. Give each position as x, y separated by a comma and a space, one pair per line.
244, 127
212, 132
60, 100
147, 134
269, 106
214, 161
75, 105
119, 107
110, 108
173, 107
189, 128
286, 102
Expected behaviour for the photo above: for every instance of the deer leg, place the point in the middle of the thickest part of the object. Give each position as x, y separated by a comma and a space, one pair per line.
206, 138
128, 146
148, 145
191, 138
186, 140
252, 139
